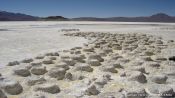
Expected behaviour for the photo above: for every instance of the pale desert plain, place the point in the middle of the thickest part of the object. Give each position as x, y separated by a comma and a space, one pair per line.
51, 59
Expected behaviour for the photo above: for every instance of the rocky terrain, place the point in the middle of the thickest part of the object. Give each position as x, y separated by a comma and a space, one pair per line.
109, 66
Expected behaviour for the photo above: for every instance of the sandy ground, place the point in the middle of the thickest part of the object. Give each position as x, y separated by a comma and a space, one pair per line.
20, 40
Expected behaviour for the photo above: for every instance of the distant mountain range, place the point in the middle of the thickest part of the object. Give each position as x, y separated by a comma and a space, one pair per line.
8, 16
160, 17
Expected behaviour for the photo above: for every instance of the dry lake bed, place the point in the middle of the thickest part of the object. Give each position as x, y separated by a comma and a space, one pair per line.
20, 40
87, 60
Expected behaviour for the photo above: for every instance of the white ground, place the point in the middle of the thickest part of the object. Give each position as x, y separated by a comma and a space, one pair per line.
27, 39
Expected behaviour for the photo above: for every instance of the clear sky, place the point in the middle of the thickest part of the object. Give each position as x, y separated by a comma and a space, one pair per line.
91, 8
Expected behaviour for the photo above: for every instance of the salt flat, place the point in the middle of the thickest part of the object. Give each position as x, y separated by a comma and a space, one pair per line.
139, 62
20, 40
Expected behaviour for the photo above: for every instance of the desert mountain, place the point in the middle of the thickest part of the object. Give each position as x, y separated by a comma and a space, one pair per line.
8, 16
160, 17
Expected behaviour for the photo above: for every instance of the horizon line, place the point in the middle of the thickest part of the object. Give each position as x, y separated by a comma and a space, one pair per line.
88, 16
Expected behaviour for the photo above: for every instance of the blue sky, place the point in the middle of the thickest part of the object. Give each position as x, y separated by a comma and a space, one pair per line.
93, 8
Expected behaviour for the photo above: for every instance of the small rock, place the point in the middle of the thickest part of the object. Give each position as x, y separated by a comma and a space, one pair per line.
123, 74
77, 52
49, 54
38, 70
115, 57
160, 79
78, 47
109, 69
83, 67
65, 56
24, 72
26, 66
96, 56
87, 49
49, 88
137, 76
127, 48
136, 93
13, 63
123, 60
52, 54
58, 73
115, 64
55, 54
66, 51
91, 90
68, 76
107, 77
62, 65
69, 62
78, 58
107, 50
161, 90
39, 57
12, 87
102, 53
35, 80
146, 58
27, 60
101, 81
154, 64
36, 63
159, 42
82, 56
160, 58
53, 58
148, 53
117, 47
93, 62
121, 89
48, 61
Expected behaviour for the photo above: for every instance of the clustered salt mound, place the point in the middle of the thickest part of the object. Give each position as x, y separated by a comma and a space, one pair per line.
109, 66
